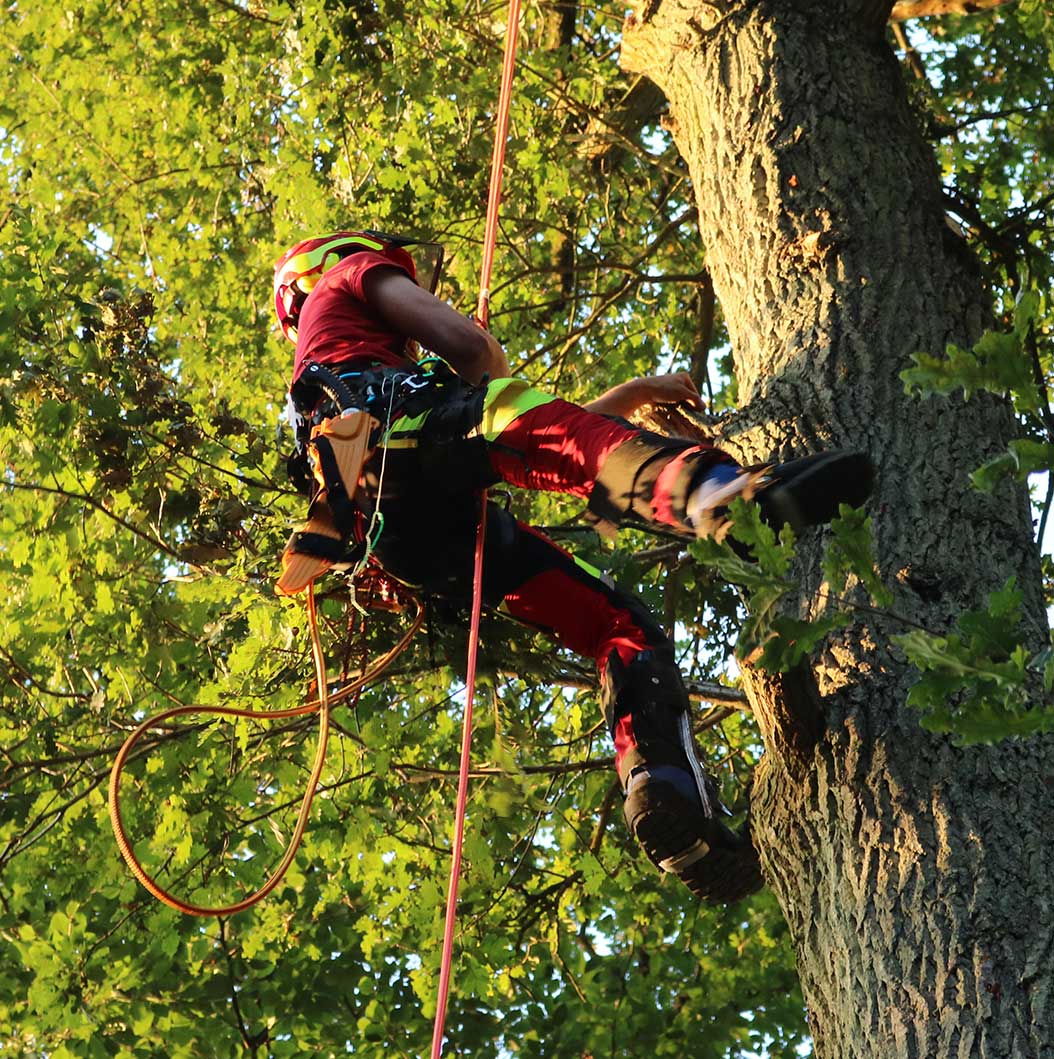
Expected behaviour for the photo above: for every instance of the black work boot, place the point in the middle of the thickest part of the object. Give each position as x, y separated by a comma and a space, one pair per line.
807, 491
802, 492
681, 833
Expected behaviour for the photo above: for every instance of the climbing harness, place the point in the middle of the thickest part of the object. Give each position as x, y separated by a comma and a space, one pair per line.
336, 452
338, 449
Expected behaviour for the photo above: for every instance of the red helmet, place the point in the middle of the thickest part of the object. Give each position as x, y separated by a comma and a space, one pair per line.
301, 267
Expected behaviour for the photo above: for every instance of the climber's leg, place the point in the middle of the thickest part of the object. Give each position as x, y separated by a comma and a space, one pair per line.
671, 807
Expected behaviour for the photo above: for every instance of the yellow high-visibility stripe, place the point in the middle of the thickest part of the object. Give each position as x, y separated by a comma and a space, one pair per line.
589, 569
506, 401
309, 260
406, 425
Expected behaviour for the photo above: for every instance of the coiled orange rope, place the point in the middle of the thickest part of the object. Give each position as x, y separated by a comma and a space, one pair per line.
322, 706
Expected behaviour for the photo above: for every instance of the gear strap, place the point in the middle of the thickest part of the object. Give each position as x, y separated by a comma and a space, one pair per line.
338, 450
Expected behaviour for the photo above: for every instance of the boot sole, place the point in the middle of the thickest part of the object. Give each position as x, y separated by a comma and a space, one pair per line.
717, 865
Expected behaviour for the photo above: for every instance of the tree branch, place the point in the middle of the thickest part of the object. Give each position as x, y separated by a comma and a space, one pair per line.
698, 690
176, 450
99, 506
609, 297
21, 671
912, 57
607, 807
252, 1041
905, 9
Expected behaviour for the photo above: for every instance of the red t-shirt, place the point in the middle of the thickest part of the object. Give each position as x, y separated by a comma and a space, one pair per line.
337, 324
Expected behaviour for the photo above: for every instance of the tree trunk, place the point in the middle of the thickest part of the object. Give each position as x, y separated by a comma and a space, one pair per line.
914, 874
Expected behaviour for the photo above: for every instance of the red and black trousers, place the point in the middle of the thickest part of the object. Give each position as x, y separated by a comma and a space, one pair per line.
441, 446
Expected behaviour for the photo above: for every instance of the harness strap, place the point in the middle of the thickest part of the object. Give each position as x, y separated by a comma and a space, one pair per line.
306, 556
339, 448
318, 545
335, 492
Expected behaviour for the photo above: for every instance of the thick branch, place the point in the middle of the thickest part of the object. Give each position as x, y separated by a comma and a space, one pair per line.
607, 134
905, 9
698, 690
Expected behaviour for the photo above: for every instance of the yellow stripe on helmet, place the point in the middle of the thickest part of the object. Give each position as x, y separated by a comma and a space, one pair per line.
307, 268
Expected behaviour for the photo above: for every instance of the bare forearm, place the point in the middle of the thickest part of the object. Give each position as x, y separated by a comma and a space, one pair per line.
620, 400
470, 350
473, 365
624, 399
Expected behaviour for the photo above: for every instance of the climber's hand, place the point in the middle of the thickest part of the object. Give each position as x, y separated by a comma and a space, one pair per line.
678, 388
627, 397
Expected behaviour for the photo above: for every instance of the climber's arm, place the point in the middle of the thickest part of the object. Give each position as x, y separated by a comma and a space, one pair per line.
470, 350
625, 398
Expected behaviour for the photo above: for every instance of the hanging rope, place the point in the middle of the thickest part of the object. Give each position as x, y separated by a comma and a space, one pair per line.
462, 792
497, 162
490, 237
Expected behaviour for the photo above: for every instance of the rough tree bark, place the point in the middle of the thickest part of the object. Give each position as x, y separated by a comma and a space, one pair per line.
914, 874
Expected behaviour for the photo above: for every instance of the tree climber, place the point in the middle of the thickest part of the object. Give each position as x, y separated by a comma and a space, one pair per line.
351, 303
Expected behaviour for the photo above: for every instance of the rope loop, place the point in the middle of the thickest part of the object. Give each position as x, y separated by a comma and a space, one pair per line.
322, 706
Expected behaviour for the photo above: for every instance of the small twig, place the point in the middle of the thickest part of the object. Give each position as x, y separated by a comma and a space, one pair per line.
992, 115
250, 1040
651, 556
484, 771
607, 807
910, 54
34, 683
175, 449
99, 506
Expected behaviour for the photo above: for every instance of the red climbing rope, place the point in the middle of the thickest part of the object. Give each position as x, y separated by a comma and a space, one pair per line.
497, 163
462, 792
490, 237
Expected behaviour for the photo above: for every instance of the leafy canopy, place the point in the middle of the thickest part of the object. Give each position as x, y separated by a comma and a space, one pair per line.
157, 159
